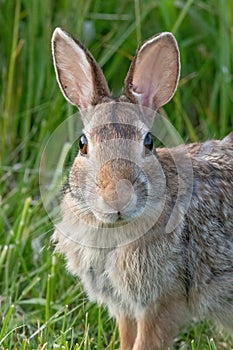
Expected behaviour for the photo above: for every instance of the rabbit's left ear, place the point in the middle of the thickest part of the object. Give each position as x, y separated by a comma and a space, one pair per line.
154, 72
80, 78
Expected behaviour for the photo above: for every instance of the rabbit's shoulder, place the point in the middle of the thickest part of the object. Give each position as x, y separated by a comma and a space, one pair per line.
215, 159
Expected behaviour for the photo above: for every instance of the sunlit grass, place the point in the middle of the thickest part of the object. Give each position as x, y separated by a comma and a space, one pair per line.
42, 307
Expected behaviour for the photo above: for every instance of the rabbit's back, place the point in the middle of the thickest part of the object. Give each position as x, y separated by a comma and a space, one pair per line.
209, 231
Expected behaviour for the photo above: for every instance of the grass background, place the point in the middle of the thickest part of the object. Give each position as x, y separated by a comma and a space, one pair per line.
41, 306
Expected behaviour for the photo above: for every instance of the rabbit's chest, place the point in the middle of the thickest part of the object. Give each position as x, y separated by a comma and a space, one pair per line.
130, 283
96, 276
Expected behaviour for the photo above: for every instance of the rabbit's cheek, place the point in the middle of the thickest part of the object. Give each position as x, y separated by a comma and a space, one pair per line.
75, 171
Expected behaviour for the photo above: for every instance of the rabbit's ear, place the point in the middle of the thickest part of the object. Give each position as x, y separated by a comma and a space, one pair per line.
154, 73
80, 78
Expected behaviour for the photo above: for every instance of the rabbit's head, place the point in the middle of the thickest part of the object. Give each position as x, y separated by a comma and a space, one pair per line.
116, 177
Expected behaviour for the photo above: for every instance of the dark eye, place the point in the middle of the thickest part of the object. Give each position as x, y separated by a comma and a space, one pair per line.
148, 141
83, 144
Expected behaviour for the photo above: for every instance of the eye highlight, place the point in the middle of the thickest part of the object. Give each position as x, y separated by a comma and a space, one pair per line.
148, 141
83, 143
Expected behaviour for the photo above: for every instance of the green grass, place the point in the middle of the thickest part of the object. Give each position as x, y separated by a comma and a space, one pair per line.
42, 307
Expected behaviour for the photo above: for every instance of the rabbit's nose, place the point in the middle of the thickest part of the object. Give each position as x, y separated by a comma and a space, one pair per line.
119, 195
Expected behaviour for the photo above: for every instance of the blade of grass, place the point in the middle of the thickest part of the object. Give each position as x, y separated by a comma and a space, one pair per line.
182, 15
138, 21
100, 331
224, 40
6, 322
8, 117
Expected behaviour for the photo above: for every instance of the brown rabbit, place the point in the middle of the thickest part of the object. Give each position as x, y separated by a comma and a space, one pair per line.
149, 232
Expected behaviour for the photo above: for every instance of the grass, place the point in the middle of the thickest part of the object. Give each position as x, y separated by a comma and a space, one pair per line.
42, 307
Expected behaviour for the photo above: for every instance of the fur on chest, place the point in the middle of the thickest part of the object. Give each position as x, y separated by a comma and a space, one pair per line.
127, 278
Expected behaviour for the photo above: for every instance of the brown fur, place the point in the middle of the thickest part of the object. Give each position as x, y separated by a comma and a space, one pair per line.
121, 198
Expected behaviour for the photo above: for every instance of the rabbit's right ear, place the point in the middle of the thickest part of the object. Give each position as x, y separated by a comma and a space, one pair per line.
154, 72
80, 78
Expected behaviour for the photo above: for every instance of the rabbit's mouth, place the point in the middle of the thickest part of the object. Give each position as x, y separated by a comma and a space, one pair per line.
113, 219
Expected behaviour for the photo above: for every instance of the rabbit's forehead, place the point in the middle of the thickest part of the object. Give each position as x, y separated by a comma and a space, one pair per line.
116, 120
112, 131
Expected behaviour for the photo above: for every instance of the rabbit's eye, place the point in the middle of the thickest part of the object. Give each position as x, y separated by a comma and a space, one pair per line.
148, 141
83, 144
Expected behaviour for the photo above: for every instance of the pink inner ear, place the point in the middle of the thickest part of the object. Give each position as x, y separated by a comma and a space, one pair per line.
146, 77
155, 73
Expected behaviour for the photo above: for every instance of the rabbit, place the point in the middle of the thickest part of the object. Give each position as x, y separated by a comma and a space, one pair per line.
122, 192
